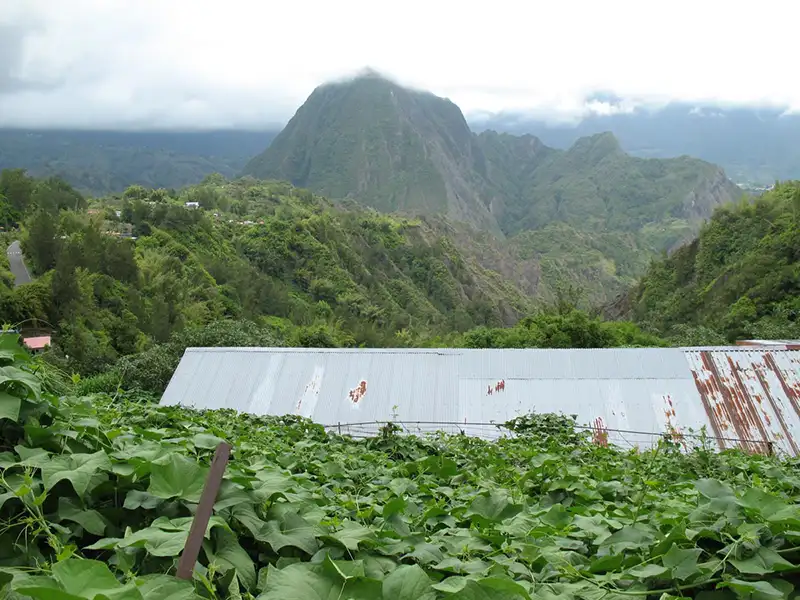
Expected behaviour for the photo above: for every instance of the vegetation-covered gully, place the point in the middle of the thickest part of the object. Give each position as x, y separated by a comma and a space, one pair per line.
99, 492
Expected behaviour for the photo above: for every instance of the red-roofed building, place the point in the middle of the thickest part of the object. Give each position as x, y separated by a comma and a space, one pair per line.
36, 344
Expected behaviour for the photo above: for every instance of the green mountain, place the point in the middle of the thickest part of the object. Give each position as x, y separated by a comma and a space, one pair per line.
590, 216
740, 278
99, 162
392, 148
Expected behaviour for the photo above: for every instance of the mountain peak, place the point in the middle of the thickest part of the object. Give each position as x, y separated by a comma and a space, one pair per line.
365, 77
595, 148
388, 146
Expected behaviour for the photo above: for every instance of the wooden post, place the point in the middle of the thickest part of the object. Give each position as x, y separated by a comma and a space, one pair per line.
770, 448
203, 513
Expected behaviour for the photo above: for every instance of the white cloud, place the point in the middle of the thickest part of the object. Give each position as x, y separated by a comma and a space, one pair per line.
205, 63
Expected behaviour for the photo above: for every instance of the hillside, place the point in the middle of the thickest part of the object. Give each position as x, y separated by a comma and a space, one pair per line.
99, 162
755, 145
259, 251
740, 278
594, 185
592, 215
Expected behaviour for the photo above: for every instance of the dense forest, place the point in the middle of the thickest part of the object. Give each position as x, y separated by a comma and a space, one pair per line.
739, 279
128, 281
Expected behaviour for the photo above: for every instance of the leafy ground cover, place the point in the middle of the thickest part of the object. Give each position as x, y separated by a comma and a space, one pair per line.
98, 495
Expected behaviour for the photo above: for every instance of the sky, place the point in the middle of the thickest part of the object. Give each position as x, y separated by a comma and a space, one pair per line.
237, 63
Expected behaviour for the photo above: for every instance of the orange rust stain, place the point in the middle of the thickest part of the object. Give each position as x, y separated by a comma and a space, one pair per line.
358, 392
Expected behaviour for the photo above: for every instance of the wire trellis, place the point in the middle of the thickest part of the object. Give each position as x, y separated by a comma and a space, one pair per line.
626, 438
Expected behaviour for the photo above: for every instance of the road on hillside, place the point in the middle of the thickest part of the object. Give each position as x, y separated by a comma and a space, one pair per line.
18, 268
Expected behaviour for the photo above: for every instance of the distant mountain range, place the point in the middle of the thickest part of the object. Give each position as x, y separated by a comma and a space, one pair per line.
99, 162
753, 145
592, 214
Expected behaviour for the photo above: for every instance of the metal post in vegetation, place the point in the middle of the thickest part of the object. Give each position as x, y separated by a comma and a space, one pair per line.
770, 448
203, 513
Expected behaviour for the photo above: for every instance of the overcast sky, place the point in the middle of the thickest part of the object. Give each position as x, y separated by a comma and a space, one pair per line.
219, 63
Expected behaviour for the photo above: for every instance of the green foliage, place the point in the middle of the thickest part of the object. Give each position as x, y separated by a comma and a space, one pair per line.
97, 497
303, 270
151, 370
739, 279
570, 328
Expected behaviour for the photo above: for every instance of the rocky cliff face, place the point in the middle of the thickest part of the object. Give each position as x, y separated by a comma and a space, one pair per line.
712, 191
389, 147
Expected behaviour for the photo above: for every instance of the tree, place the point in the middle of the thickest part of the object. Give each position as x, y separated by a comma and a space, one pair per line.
17, 187
8, 215
66, 291
119, 262
136, 192
54, 194
41, 242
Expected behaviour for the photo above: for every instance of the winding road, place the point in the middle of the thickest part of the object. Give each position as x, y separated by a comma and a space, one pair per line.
17, 264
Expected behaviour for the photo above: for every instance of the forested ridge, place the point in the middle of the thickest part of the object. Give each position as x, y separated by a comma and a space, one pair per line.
740, 278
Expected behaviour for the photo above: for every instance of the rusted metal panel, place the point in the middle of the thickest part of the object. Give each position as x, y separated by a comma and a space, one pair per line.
752, 395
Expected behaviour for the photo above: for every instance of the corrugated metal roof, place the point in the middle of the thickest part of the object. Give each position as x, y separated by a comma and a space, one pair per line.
772, 344
737, 393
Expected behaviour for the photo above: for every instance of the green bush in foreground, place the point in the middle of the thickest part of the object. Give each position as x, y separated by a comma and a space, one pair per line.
98, 495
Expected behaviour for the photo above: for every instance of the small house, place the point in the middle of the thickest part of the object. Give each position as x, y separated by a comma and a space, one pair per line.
36, 343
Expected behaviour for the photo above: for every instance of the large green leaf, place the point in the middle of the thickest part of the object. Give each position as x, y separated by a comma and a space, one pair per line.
763, 561
229, 554
493, 506
350, 535
91, 520
40, 588
713, 489
166, 587
408, 582
78, 469
304, 581
9, 406
756, 590
13, 375
139, 499
89, 578
491, 588
164, 537
177, 476
630, 537
682, 562
293, 531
